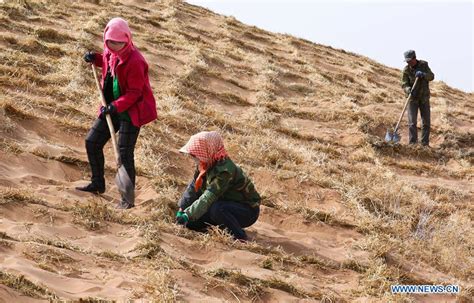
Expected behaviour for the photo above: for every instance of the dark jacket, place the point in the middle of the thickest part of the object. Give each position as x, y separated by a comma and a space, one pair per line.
422, 91
224, 181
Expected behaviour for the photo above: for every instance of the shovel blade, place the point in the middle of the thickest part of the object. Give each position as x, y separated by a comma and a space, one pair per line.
392, 137
396, 137
388, 136
125, 186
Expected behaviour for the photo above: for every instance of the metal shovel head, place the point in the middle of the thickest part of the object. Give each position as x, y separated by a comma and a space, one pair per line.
125, 186
392, 137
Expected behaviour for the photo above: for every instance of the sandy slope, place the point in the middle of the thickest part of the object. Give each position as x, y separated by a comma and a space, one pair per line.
344, 215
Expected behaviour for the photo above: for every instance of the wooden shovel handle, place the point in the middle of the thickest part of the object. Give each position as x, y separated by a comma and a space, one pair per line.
107, 117
406, 104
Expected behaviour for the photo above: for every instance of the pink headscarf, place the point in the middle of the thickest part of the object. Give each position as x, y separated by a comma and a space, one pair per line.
208, 147
117, 30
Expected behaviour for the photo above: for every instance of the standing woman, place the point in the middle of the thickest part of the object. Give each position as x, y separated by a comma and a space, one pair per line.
220, 193
130, 103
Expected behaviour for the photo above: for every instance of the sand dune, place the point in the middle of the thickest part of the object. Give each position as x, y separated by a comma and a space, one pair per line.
344, 215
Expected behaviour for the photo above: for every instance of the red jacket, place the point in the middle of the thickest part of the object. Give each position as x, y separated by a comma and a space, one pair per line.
136, 95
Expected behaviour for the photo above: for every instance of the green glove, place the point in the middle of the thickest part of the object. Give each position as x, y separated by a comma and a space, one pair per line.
182, 218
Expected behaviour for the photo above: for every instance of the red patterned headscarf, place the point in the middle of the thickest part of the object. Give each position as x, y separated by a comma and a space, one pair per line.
208, 147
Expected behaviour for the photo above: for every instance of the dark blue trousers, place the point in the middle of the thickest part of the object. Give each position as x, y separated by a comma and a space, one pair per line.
425, 113
233, 216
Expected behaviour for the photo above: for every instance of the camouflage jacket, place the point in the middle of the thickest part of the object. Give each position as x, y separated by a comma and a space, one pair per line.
422, 91
224, 181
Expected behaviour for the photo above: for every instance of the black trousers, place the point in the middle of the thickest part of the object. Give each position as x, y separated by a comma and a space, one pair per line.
425, 114
230, 215
98, 136
233, 216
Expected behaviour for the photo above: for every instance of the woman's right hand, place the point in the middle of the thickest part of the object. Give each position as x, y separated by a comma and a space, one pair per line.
89, 57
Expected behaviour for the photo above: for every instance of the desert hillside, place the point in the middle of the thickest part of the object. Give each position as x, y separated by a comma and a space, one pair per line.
344, 214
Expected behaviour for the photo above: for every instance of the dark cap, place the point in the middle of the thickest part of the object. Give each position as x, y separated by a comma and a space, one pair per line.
409, 54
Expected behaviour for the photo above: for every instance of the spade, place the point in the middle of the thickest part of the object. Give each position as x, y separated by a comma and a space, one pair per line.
394, 136
122, 179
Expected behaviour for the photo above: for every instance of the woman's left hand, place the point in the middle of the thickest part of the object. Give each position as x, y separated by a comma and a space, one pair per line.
182, 218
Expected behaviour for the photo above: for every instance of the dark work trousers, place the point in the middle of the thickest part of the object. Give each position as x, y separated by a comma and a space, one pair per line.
230, 215
99, 134
425, 114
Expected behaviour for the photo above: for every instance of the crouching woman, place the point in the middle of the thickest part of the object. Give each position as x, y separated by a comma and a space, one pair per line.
220, 193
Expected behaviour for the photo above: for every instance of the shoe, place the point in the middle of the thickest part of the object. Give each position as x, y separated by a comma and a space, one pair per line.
242, 239
124, 205
92, 188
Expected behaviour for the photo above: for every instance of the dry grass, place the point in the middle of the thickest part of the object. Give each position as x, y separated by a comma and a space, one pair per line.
251, 288
11, 147
446, 195
450, 254
254, 288
15, 195
111, 255
161, 285
58, 243
51, 35
92, 299
93, 215
6, 240
386, 211
25, 286
149, 249
42, 77
49, 259
11, 111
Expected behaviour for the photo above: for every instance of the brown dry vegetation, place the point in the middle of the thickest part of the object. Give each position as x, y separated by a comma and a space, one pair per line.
344, 215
